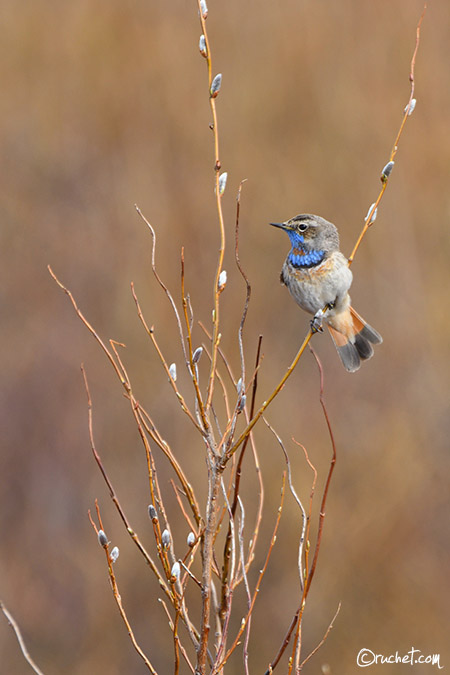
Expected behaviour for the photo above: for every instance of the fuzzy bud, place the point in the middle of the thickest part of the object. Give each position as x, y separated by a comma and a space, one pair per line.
191, 539
387, 170
241, 404
202, 46
197, 355
152, 513
215, 85
203, 8
173, 371
410, 107
175, 572
239, 385
114, 554
165, 539
222, 280
374, 214
222, 182
102, 538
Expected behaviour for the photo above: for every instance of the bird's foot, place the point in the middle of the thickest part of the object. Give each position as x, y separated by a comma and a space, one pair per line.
316, 322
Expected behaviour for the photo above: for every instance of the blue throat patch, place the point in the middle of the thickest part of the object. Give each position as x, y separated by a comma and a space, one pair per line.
299, 257
305, 258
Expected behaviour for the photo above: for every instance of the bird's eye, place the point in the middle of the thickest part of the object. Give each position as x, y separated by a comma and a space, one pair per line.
303, 227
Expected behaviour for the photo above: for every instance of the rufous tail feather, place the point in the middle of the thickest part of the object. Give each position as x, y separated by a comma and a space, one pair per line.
356, 343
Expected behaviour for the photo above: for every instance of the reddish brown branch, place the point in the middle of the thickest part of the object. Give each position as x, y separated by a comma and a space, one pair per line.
327, 483
113, 495
370, 216
296, 616
244, 276
118, 599
201, 407
227, 547
316, 649
219, 665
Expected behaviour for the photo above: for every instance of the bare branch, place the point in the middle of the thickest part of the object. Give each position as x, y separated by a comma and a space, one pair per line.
192, 366
118, 599
113, 495
244, 276
245, 620
327, 483
14, 625
297, 499
316, 649
275, 392
370, 216
150, 332
162, 284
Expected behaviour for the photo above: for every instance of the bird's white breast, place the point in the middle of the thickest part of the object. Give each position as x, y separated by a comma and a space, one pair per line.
314, 287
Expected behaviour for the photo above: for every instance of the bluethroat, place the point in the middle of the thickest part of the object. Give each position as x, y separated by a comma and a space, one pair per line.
318, 278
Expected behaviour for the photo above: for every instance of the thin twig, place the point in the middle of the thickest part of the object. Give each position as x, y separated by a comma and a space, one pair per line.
182, 649
114, 497
193, 633
309, 572
150, 332
161, 283
221, 664
328, 481
327, 632
192, 366
180, 504
369, 219
118, 599
221, 382
226, 554
297, 499
275, 392
221, 354
299, 613
154, 434
244, 276
88, 325
217, 167
14, 625
258, 518
247, 588
119, 370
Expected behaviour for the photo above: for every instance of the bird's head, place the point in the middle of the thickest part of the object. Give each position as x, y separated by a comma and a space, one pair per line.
308, 232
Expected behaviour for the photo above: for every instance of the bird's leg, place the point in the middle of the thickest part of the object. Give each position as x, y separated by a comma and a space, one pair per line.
317, 320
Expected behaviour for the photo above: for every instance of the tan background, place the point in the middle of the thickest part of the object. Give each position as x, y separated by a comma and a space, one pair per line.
104, 105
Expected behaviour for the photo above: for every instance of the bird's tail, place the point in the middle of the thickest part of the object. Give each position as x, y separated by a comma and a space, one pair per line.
353, 338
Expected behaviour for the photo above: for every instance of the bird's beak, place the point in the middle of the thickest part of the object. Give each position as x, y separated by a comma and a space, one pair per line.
282, 226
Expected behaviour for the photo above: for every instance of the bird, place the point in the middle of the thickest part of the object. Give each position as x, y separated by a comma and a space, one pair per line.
318, 277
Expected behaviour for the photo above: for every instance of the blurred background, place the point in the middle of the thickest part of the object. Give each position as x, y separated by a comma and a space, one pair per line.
105, 105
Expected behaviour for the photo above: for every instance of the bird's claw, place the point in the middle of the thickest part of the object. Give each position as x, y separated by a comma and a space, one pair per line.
316, 322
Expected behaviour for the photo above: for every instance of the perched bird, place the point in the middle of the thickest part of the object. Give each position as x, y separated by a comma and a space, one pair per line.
318, 277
